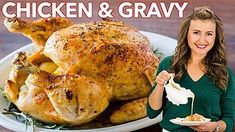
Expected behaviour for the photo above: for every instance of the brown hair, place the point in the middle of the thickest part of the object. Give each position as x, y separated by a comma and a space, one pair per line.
215, 61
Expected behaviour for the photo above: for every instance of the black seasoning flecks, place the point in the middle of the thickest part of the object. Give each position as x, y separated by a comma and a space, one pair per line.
69, 95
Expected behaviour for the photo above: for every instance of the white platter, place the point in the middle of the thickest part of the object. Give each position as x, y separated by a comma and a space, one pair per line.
164, 44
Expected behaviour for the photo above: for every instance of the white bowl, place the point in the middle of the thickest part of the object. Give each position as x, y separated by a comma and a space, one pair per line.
164, 45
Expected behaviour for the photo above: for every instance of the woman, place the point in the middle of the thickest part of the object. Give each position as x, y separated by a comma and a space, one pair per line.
199, 64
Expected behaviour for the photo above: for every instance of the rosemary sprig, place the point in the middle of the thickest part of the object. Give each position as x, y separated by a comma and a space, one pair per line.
157, 53
1, 90
27, 120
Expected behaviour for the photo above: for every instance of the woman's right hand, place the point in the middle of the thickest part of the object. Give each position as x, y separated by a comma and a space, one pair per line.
155, 98
162, 77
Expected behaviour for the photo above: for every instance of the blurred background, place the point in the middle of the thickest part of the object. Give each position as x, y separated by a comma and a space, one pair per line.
165, 26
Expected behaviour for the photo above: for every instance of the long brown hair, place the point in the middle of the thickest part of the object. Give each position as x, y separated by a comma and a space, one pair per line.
215, 61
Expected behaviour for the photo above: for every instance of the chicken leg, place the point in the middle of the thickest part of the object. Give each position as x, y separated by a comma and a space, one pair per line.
65, 99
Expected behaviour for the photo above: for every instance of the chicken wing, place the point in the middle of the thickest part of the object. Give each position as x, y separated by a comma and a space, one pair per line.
38, 31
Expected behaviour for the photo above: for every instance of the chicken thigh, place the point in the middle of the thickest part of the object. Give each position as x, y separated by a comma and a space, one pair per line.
65, 99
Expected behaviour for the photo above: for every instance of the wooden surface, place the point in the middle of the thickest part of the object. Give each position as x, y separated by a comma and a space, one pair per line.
165, 26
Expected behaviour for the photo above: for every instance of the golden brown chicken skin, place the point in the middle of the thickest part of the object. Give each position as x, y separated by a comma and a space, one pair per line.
130, 111
38, 31
97, 62
61, 99
76, 99
113, 51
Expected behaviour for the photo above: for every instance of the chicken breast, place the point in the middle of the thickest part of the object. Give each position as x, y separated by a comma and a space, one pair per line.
113, 51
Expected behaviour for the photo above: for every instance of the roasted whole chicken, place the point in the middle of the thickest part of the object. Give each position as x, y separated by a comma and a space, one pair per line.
94, 63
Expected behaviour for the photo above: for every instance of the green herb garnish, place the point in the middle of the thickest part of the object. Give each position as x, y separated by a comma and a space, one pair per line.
157, 53
1, 90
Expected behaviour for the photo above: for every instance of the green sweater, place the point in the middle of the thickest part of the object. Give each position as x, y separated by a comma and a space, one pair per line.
210, 101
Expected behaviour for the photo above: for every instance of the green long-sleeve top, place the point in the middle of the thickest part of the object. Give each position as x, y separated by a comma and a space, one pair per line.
210, 101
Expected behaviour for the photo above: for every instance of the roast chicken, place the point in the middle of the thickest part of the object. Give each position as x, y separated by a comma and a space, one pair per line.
96, 63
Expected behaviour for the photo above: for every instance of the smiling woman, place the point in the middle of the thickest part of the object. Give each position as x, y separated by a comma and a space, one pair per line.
10, 42
200, 65
201, 36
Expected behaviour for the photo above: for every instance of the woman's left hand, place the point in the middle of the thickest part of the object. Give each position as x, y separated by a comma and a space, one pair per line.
210, 126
